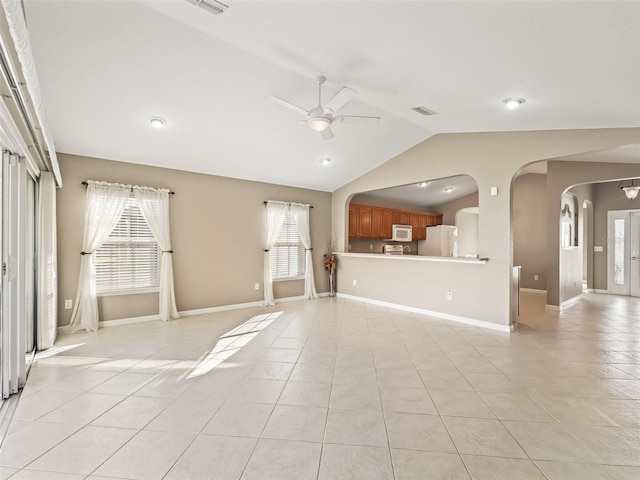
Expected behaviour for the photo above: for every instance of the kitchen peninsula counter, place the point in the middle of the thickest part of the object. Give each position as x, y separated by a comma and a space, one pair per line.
415, 258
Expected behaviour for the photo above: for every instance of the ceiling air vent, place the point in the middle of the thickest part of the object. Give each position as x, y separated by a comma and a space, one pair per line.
423, 111
211, 6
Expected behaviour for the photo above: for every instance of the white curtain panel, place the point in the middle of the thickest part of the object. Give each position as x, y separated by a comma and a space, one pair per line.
301, 216
14, 14
105, 203
276, 214
154, 204
47, 258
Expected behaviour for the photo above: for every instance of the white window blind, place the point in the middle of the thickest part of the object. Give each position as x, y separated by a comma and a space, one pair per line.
129, 259
287, 255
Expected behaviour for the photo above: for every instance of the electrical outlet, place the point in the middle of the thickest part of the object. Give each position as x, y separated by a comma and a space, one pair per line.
535, 277
355, 282
371, 246
68, 304
449, 295
257, 286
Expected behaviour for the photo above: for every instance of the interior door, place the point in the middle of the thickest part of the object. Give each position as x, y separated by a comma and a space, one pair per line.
634, 251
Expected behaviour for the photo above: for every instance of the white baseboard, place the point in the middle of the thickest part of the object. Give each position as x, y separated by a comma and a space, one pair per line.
564, 304
201, 311
444, 316
128, 321
533, 290
599, 290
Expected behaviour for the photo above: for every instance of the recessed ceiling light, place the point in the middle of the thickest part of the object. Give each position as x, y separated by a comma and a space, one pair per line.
325, 161
423, 184
513, 102
157, 122
448, 189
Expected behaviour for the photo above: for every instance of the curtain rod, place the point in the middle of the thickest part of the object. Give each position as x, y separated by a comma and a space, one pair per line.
86, 184
287, 203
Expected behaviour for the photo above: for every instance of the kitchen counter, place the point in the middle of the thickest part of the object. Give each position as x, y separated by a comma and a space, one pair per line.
414, 258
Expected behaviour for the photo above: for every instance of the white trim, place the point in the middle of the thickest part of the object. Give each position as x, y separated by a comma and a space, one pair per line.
200, 311
420, 258
564, 304
600, 290
128, 291
285, 279
533, 290
444, 316
571, 301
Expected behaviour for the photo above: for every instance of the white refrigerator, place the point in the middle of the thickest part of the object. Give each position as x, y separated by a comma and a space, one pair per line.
440, 242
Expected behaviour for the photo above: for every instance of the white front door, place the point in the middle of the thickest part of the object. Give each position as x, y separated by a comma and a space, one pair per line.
623, 248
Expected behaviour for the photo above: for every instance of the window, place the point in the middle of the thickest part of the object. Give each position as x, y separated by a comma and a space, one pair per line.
129, 259
287, 255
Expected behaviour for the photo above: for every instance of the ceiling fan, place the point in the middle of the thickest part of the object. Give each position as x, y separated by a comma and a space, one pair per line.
321, 117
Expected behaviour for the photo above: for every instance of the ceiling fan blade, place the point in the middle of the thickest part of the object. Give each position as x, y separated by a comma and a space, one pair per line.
278, 125
340, 99
327, 134
284, 103
356, 118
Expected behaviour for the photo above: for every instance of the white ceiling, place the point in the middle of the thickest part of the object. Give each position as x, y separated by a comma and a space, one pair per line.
432, 194
106, 67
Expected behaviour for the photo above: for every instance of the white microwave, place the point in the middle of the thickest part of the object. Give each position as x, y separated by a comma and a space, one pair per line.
401, 233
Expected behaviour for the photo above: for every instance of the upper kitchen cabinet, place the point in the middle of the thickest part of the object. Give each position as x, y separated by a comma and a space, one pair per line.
381, 222
360, 221
401, 217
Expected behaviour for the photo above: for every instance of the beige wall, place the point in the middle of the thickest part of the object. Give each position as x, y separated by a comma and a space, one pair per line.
492, 159
217, 233
530, 229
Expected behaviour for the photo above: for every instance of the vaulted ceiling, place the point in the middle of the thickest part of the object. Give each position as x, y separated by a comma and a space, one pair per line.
107, 67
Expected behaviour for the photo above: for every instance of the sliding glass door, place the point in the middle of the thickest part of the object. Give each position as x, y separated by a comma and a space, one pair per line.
17, 321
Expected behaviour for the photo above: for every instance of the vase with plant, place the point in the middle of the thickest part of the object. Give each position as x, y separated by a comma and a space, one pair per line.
330, 264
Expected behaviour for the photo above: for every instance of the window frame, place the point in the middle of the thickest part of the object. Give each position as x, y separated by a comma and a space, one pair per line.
288, 222
129, 241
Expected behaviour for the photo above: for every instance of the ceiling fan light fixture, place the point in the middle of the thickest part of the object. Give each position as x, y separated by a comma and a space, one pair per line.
631, 191
319, 124
513, 102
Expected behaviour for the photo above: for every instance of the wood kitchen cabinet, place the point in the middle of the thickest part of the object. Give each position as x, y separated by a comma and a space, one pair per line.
401, 217
381, 222
360, 221
434, 219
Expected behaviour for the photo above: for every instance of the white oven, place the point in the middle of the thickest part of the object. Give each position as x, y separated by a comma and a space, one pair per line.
401, 233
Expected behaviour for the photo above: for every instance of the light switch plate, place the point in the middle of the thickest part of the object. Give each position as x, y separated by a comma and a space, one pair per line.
598, 248
494, 191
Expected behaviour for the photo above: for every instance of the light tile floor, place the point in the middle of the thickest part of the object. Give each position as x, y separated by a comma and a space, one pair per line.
334, 389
